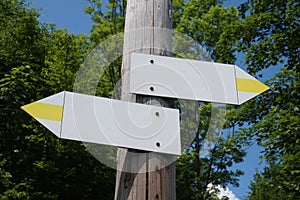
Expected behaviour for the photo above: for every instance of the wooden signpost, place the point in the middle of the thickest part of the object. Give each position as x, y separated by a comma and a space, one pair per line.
145, 163
147, 26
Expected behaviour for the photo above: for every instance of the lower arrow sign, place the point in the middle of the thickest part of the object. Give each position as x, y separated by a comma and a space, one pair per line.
110, 122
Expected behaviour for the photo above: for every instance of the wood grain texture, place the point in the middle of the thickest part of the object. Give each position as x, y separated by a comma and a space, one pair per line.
147, 30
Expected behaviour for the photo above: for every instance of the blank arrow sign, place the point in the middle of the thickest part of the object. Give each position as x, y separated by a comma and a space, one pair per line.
191, 79
110, 122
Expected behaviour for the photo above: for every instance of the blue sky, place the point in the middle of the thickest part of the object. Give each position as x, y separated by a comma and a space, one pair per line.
69, 14
66, 14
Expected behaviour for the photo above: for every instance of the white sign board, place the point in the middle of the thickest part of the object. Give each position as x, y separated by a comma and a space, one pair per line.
190, 79
110, 122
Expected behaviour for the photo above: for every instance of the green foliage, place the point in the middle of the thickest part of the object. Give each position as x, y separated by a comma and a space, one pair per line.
107, 40
271, 34
8, 191
215, 27
277, 131
109, 19
270, 39
13, 144
36, 61
209, 159
268, 33
263, 187
20, 36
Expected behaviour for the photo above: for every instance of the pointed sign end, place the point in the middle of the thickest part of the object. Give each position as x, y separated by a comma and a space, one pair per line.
249, 88
44, 111
30, 109
48, 112
250, 85
263, 87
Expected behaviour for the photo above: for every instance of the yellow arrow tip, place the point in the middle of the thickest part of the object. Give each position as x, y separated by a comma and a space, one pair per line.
250, 85
44, 111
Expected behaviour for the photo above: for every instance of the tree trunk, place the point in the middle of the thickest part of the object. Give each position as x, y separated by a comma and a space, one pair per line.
143, 175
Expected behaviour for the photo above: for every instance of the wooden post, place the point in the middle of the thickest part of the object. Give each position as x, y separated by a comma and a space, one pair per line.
145, 175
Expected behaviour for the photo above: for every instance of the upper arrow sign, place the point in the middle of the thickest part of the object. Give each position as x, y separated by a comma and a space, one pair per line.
110, 122
191, 79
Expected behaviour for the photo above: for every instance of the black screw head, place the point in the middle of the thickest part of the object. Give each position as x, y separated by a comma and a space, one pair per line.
157, 144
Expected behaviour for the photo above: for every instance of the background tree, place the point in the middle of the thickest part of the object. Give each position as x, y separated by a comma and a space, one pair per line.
268, 34
107, 30
270, 40
36, 61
